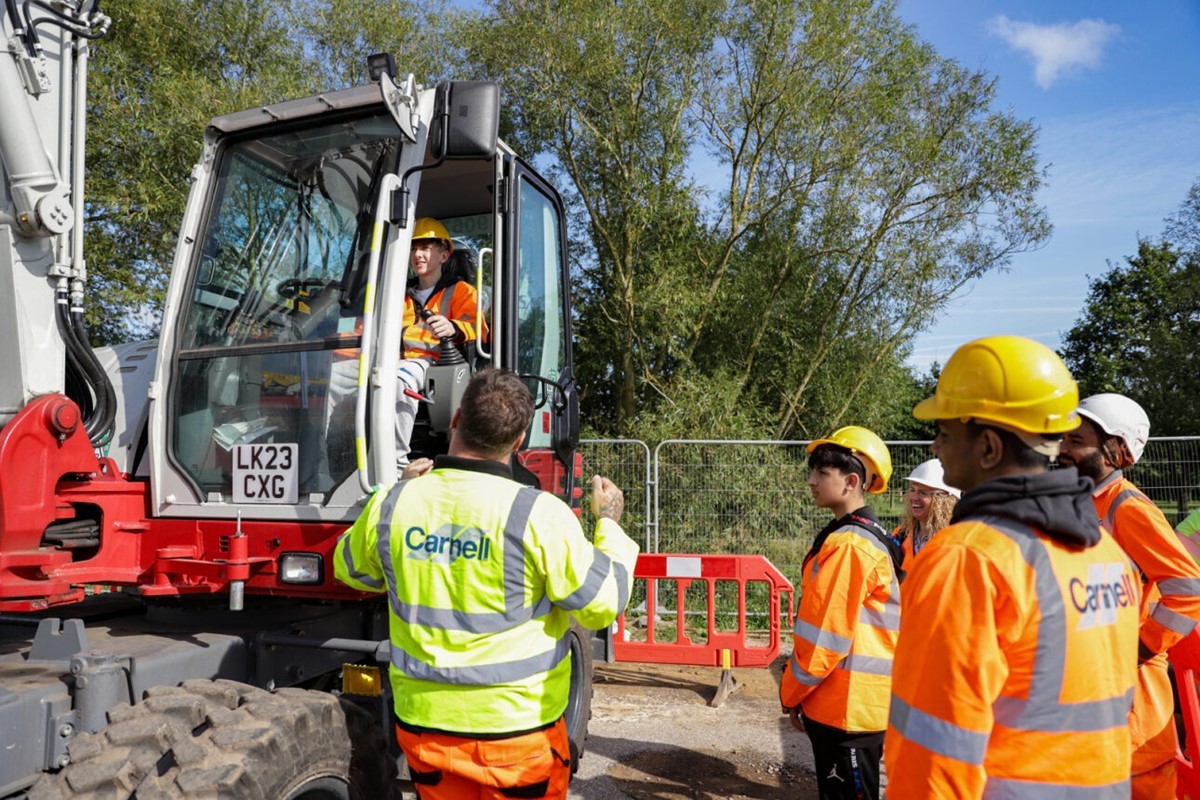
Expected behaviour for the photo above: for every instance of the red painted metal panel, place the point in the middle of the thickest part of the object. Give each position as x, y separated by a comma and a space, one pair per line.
678, 647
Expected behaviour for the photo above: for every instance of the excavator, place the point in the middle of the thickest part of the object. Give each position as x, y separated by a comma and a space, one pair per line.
170, 625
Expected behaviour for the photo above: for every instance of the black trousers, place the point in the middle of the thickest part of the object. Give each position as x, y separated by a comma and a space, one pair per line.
847, 763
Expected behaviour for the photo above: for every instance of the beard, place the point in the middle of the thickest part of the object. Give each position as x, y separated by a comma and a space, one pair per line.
1091, 466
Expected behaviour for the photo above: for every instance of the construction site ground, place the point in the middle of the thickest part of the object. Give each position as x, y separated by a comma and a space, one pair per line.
654, 735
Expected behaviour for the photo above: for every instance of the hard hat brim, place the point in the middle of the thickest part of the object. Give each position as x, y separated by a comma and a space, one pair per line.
927, 409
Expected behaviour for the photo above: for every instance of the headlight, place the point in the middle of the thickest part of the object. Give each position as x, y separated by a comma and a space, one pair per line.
304, 568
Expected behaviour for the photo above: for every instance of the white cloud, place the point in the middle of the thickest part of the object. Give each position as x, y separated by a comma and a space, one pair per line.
1056, 48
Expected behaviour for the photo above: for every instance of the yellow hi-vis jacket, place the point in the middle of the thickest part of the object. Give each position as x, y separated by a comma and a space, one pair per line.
483, 576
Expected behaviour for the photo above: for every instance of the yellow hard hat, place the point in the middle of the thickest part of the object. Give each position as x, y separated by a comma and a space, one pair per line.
1011, 381
430, 228
869, 448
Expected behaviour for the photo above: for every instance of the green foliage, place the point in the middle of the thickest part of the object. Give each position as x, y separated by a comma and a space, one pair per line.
845, 181
1138, 333
167, 67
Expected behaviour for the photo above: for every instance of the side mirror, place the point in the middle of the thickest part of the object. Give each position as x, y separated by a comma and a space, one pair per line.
466, 119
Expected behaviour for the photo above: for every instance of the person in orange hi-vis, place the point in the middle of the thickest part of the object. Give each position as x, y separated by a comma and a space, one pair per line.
1017, 658
438, 306
836, 684
1112, 438
927, 507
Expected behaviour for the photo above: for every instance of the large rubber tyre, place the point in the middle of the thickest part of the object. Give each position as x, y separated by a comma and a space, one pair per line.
579, 700
228, 740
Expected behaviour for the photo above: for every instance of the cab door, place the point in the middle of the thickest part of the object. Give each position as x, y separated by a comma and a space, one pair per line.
538, 339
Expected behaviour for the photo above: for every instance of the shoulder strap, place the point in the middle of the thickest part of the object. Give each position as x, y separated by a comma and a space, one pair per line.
890, 543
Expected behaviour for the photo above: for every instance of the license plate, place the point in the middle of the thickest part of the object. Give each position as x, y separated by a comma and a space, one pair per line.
266, 473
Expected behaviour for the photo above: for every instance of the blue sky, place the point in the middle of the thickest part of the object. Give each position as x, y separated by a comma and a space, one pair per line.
1115, 89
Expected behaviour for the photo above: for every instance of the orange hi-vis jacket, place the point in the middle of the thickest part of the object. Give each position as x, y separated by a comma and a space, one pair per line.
1170, 609
1171, 578
1017, 660
840, 672
457, 302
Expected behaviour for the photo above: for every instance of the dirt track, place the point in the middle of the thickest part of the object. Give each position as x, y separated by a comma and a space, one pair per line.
653, 735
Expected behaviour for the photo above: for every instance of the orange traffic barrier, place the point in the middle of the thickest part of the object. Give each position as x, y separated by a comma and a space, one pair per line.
1185, 657
719, 574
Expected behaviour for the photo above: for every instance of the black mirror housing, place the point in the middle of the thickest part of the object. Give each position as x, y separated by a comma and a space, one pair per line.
473, 122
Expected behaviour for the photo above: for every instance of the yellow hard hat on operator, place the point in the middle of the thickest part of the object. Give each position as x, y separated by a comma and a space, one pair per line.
868, 448
1011, 381
430, 228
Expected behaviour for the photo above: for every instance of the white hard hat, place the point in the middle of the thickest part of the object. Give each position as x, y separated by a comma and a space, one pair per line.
1119, 416
929, 473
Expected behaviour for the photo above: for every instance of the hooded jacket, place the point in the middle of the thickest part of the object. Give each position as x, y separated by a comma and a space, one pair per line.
1017, 657
1058, 503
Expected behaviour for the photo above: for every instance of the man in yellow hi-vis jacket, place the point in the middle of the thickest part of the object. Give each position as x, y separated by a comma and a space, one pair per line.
483, 576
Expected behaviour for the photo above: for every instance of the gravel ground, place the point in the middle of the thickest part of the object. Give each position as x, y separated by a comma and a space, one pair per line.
653, 735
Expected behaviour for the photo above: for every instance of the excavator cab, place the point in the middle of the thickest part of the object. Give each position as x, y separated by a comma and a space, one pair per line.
281, 338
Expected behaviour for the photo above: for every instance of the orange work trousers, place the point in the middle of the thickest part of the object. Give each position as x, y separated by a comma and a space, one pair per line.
445, 767
1152, 728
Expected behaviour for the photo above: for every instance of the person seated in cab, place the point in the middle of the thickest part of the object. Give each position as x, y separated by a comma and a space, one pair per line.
438, 307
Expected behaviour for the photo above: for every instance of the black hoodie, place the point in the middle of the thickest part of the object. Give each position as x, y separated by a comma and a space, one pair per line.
1058, 503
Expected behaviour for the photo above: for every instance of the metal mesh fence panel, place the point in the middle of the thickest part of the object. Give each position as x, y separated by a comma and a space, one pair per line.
626, 462
1169, 474
738, 496
751, 497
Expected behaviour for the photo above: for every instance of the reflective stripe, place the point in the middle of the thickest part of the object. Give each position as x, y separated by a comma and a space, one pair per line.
1110, 519
867, 665
592, 584
1173, 620
888, 619
383, 542
1008, 789
1088, 717
624, 587
936, 735
486, 674
1180, 587
352, 571
1041, 708
514, 549
444, 305
802, 675
1042, 711
819, 637
423, 346
452, 619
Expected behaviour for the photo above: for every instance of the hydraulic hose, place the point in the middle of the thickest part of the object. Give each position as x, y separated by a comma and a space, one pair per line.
76, 384
14, 16
100, 426
87, 383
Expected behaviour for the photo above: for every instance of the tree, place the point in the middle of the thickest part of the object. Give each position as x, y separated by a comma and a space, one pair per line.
166, 69
604, 90
862, 180
1138, 331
